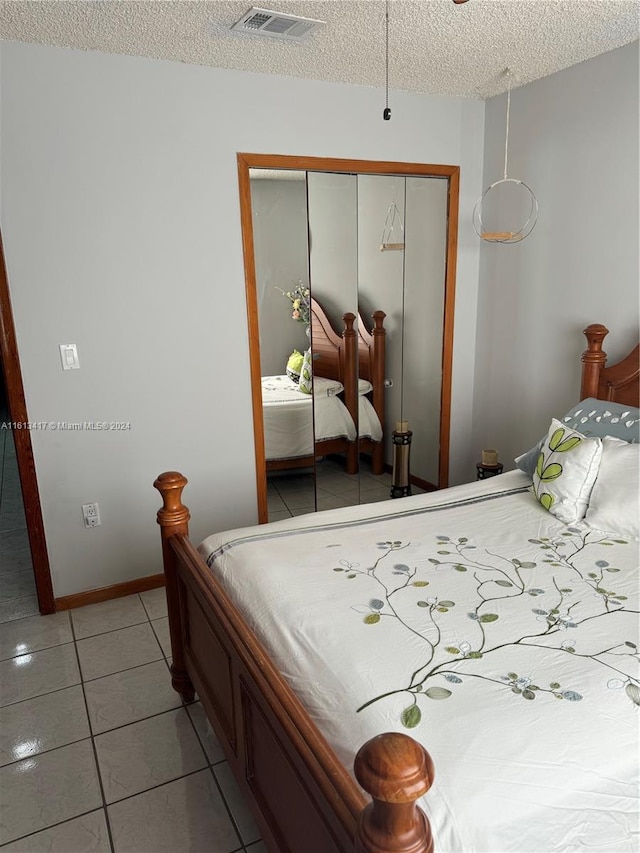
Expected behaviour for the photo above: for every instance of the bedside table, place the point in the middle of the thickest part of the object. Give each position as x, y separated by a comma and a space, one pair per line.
486, 471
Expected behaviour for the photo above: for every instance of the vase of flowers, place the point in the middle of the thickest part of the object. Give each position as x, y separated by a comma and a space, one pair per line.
300, 299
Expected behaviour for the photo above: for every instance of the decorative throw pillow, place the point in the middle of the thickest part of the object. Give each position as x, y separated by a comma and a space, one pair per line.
591, 417
599, 418
527, 461
566, 470
294, 366
614, 505
306, 374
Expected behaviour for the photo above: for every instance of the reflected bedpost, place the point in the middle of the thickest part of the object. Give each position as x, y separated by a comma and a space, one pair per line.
396, 771
173, 519
377, 380
351, 386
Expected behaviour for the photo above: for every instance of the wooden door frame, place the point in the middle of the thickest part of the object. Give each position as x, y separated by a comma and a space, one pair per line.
24, 450
365, 167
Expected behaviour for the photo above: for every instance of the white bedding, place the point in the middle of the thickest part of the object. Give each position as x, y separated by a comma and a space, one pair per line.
289, 416
510, 636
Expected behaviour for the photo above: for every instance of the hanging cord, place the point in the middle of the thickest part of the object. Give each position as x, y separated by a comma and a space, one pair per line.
386, 113
506, 138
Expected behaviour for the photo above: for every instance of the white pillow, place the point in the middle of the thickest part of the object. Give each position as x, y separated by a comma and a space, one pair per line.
566, 470
326, 387
614, 505
364, 386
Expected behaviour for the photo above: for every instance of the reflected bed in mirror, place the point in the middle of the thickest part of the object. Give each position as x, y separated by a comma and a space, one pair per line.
338, 412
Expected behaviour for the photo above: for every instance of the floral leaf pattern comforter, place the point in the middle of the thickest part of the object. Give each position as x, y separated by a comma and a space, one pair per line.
503, 640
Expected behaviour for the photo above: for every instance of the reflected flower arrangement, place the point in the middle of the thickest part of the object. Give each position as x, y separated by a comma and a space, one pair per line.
300, 298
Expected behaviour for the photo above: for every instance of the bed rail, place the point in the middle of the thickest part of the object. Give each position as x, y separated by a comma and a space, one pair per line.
275, 750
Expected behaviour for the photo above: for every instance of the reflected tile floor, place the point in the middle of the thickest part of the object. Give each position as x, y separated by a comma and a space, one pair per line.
291, 493
97, 753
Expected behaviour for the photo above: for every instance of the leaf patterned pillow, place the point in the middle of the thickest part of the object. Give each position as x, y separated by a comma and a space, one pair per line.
306, 374
566, 469
294, 366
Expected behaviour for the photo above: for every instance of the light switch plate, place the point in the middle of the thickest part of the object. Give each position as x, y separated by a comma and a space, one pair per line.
69, 356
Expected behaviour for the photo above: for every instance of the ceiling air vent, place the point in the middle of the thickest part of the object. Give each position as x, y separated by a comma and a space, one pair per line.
262, 22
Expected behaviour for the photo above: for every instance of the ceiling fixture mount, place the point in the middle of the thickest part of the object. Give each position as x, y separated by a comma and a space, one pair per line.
263, 22
386, 113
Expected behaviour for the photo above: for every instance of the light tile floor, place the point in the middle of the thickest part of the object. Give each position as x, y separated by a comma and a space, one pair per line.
293, 492
98, 754
17, 584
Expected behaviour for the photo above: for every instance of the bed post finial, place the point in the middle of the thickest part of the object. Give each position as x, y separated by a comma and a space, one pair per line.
396, 771
378, 323
174, 515
173, 518
593, 359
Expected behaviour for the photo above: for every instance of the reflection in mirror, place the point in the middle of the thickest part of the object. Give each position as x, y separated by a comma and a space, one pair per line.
333, 266
409, 282
385, 317
423, 325
279, 207
380, 276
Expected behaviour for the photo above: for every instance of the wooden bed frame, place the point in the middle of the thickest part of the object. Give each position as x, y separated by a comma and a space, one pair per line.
303, 799
341, 356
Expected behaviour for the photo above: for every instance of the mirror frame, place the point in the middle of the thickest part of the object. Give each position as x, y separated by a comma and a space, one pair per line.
246, 162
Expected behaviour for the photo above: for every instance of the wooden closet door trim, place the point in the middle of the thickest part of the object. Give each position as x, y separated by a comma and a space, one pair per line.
24, 450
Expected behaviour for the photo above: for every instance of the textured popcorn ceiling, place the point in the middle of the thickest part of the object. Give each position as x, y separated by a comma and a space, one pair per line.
435, 46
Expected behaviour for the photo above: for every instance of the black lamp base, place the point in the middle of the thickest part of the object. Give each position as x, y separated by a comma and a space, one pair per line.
401, 482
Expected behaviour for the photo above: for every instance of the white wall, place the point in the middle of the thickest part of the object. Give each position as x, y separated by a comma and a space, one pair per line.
280, 244
333, 243
120, 217
574, 140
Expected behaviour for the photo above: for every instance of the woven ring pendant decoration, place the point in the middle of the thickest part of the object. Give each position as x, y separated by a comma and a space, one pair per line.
506, 236
511, 236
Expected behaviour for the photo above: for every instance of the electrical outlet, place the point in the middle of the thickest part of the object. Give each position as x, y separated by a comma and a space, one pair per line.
91, 515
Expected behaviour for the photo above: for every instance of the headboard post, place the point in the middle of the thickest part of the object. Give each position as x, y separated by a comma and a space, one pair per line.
173, 519
350, 382
396, 771
593, 360
377, 380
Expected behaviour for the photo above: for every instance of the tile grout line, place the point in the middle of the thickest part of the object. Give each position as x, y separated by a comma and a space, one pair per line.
209, 765
234, 824
93, 743
110, 630
92, 735
51, 826
161, 659
47, 751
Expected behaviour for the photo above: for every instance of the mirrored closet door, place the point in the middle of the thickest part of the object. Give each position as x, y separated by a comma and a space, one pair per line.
350, 270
